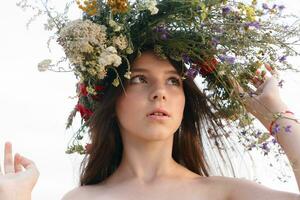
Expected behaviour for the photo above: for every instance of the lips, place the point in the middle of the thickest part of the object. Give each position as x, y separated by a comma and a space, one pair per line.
159, 112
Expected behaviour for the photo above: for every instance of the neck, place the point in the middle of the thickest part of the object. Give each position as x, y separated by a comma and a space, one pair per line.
147, 161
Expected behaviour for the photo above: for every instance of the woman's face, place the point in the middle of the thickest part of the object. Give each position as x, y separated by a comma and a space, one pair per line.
154, 84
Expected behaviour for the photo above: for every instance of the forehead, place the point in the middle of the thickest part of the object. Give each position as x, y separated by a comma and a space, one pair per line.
149, 62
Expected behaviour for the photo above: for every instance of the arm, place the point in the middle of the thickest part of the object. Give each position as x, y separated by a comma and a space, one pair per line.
263, 105
248, 190
289, 141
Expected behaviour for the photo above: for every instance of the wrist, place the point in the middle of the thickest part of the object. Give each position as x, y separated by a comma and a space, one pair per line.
12, 194
273, 107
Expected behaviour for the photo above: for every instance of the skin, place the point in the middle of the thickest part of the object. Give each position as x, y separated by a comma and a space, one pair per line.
147, 170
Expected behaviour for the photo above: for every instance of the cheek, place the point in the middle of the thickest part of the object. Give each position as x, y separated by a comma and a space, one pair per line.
127, 108
180, 104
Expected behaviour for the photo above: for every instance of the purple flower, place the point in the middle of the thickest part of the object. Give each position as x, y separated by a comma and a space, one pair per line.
280, 84
281, 7
218, 29
160, 29
163, 32
282, 58
252, 94
192, 72
228, 59
226, 10
274, 6
265, 6
276, 129
258, 133
274, 141
164, 36
243, 132
186, 58
287, 129
265, 146
215, 41
252, 24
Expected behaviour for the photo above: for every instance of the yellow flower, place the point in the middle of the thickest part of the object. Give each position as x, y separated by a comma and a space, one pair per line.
118, 6
92, 71
249, 11
116, 82
91, 90
89, 7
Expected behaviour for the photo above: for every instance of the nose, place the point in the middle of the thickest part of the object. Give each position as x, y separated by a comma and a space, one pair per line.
158, 94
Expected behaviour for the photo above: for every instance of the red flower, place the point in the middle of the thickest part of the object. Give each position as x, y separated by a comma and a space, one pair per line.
206, 67
99, 87
84, 112
82, 89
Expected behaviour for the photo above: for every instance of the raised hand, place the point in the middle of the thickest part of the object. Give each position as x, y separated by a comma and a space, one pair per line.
265, 100
18, 177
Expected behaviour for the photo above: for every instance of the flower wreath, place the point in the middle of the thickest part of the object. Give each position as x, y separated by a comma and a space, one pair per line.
218, 40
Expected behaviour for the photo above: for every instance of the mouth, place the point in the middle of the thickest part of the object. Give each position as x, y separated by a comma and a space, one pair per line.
159, 114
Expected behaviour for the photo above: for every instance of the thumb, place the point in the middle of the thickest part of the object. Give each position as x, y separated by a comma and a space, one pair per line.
29, 166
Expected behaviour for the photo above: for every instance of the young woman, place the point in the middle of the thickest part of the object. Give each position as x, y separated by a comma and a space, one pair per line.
146, 143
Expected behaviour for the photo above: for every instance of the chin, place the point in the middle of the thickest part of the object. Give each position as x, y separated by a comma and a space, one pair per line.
155, 135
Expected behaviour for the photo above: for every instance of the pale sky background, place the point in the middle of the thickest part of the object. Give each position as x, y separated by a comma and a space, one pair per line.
34, 106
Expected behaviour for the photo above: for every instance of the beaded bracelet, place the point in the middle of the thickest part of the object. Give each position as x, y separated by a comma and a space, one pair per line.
277, 116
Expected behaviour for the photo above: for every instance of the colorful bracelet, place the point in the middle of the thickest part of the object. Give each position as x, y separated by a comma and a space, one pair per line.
277, 116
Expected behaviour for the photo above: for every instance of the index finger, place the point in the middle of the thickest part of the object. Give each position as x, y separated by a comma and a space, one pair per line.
272, 70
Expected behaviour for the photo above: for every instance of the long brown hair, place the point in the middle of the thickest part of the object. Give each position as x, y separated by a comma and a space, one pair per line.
199, 122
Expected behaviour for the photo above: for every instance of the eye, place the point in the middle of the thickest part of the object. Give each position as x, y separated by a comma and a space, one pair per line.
175, 80
138, 77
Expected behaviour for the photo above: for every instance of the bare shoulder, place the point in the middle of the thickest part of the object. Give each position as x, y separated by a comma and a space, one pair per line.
83, 193
241, 188
75, 194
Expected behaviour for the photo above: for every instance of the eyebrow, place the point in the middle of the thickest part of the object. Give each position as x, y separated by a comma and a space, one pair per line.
147, 71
